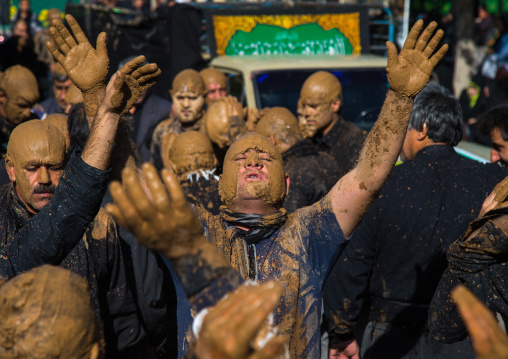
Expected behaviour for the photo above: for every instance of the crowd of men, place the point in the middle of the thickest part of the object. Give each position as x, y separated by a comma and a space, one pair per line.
255, 222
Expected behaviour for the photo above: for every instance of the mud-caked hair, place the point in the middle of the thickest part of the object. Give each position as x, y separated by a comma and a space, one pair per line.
495, 118
440, 111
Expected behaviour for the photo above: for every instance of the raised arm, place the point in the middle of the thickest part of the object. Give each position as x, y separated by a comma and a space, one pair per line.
408, 72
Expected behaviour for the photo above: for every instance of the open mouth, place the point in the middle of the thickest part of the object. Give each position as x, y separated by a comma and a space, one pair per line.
253, 176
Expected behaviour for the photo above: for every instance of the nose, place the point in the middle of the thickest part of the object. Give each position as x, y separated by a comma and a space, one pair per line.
494, 156
186, 102
43, 175
253, 160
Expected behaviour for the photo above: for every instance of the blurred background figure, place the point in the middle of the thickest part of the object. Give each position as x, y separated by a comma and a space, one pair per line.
216, 83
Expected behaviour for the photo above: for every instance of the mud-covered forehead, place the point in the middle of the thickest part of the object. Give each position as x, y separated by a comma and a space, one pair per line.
189, 143
19, 82
36, 140
253, 141
189, 81
210, 75
321, 86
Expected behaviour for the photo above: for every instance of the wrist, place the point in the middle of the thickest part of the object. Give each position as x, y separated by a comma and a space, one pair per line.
92, 99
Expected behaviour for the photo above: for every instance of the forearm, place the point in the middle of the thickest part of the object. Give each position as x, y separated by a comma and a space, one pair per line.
384, 142
205, 275
92, 100
100, 143
123, 154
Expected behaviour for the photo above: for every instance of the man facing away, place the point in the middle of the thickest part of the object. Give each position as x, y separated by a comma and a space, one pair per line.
397, 254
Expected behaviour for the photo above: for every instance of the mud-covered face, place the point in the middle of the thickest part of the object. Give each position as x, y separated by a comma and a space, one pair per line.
18, 110
188, 106
35, 161
215, 90
21, 94
253, 169
221, 126
320, 100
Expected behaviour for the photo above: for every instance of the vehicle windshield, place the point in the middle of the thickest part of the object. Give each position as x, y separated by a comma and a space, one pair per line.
364, 91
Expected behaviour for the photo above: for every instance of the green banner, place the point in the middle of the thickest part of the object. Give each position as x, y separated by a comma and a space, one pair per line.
302, 39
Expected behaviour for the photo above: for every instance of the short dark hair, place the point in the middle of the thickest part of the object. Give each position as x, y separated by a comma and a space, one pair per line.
78, 128
495, 118
440, 111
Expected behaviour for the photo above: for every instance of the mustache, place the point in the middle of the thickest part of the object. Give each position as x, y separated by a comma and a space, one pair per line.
45, 188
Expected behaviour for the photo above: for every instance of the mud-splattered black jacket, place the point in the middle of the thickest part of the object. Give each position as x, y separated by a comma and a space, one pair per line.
201, 188
480, 263
344, 142
312, 175
397, 254
72, 233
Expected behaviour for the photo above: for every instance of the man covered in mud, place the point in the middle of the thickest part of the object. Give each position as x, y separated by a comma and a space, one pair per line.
215, 82
494, 123
51, 215
57, 318
478, 260
21, 94
192, 159
311, 174
253, 231
321, 103
397, 254
188, 94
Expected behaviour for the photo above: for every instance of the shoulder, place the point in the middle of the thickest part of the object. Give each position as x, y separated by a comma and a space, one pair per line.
102, 225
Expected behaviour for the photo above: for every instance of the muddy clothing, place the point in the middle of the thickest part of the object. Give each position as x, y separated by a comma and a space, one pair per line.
201, 188
296, 251
68, 233
311, 174
165, 128
344, 143
397, 254
481, 264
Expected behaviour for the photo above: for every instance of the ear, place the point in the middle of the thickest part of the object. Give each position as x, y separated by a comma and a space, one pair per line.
422, 135
272, 140
10, 169
336, 105
287, 183
94, 353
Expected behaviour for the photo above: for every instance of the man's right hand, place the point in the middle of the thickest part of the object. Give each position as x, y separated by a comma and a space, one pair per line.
86, 67
344, 350
159, 221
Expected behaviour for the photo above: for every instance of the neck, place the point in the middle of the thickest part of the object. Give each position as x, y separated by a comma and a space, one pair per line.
252, 206
335, 119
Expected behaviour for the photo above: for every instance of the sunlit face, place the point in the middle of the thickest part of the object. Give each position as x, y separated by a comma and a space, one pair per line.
36, 168
215, 91
253, 170
499, 152
188, 106
60, 91
18, 110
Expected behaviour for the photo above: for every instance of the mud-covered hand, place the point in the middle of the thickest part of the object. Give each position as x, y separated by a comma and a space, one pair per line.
489, 341
160, 221
230, 330
496, 199
87, 67
409, 71
129, 83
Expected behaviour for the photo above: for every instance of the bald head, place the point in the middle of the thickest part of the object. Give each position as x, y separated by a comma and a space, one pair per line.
46, 313
192, 151
321, 86
281, 125
188, 81
59, 120
35, 160
21, 93
224, 121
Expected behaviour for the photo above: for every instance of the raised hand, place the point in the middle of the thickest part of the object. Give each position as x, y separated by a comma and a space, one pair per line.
87, 67
489, 341
159, 221
232, 329
496, 199
130, 82
409, 71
